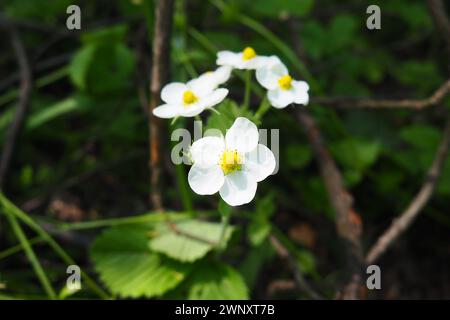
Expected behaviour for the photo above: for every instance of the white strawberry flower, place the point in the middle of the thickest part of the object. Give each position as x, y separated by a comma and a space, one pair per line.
213, 78
247, 59
282, 89
188, 100
232, 165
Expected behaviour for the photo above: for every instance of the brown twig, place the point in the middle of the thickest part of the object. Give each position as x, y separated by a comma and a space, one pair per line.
348, 102
298, 275
22, 106
441, 21
348, 221
160, 68
400, 224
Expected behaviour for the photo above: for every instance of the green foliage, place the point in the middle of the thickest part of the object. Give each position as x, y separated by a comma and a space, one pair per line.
260, 227
197, 238
129, 269
275, 9
104, 63
356, 156
212, 280
228, 112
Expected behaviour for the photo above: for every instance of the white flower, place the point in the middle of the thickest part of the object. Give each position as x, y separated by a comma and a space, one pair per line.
282, 89
233, 165
188, 100
247, 59
213, 78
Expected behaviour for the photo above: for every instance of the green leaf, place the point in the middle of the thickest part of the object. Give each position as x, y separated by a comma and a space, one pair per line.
277, 8
51, 112
356, 155
80, 64
216, 281
258, 230
260, 227
306, 261
229, 111
129, 269
298, 156
186, 247
418, 153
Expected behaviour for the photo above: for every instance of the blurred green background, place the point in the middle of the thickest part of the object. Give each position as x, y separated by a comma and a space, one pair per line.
82, 155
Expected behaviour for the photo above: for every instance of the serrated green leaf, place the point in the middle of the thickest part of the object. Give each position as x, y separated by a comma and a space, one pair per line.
216, 281
129, 269
185, 248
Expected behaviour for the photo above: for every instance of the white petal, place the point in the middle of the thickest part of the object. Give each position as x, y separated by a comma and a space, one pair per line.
192, 110
243, 136
228, 58
301, 95
215, 98
256, 63
172, 93
166, 111
205, 181
222, 74
260, 163
206, 151
238, 188
201, 86
269, 74
280, 98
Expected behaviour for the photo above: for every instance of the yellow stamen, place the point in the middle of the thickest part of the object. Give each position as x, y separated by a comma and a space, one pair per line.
189, 97
248, 53
230, 161
285, 82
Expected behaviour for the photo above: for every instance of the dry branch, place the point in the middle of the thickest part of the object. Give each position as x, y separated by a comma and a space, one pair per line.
347, 102
298, 275
160, 68
348, 221
400, 224
22, 105
437, 12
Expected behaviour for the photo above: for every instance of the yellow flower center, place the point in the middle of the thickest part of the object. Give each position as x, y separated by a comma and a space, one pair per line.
248, 53
285, 82
230, 161
189, 97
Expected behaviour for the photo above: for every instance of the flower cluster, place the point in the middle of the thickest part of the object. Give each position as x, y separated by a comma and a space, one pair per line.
234, 164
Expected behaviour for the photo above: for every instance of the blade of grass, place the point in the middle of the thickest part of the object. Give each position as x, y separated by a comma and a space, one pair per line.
8, 206
43, 279
18, 248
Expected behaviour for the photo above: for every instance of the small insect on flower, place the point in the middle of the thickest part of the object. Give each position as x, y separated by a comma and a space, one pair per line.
232, 165
247, 59
282, 89
190, 99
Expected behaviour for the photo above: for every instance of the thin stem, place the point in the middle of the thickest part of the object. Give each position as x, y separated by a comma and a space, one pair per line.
31, 255
263, 108
10, 208
222, 239
248, 78
18, 248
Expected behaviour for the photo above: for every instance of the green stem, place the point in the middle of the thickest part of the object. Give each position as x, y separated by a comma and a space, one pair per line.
18, 248
263, 108
221, 242
248, 80
31, 256
11, 209
40, 83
